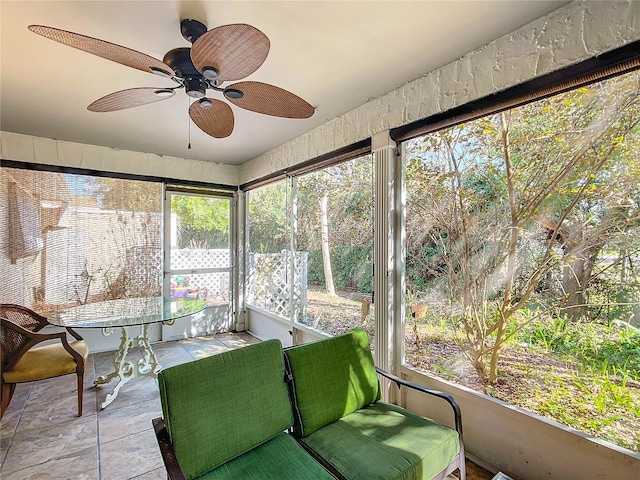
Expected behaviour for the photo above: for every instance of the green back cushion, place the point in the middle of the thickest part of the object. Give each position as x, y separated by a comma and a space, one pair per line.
331, 379
219, 407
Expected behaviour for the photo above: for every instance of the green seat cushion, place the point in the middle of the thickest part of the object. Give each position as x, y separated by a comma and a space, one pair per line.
385, 442
219, 407
331, 379
281, 458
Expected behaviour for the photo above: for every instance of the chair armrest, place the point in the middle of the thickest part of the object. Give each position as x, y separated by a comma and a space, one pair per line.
36, 338
166, 449
400, 382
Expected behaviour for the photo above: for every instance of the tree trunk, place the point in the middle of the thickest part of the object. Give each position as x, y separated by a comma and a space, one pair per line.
576, 273
326, 257
505, 306
573, 276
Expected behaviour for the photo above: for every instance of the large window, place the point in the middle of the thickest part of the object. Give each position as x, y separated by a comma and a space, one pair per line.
75, 239
269, 272
335, 228
326, 216
523, 247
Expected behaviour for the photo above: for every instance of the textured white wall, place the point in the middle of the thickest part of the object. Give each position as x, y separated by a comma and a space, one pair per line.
25, 148
567, 36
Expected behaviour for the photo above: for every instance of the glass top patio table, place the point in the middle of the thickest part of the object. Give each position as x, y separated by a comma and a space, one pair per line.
126, 312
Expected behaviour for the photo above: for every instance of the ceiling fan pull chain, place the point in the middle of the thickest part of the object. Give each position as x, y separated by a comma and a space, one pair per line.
189, 123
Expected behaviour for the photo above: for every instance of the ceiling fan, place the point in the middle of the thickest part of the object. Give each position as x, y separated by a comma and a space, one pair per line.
223, 54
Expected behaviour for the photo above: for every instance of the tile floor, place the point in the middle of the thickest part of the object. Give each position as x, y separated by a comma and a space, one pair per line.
42, 438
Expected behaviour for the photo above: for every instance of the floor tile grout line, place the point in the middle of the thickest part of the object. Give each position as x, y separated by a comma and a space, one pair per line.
15, 429
98, 410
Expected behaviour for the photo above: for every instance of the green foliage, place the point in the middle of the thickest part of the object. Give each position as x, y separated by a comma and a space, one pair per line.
201, 213
601, 399
623, 352
352, 267
268, 220
347, 188
611, 349
203, 222
315, 274
539, 202
611, 300
423, 265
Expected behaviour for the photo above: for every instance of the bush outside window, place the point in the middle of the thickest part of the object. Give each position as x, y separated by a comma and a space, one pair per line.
523, 257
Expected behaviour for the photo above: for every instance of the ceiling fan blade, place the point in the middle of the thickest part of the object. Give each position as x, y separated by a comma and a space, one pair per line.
268, 99
217, 120
234, 51
132, 97
104, 49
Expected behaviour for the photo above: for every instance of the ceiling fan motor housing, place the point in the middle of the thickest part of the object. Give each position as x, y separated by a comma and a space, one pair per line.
179, 59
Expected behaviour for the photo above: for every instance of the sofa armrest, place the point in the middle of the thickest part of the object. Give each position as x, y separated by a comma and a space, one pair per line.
166, 449
445, 396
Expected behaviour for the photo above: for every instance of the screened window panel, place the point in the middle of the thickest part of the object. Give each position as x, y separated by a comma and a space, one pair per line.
76, 239
522, 256
335, 230
269, 261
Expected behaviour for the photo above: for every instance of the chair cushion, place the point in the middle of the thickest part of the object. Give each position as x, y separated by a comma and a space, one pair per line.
383, 441
45, 362
331, 379
222, 406
281, 458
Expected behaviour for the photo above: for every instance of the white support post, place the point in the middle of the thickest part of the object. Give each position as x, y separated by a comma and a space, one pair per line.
293, 247
241, 244
399, 260
389, 255
166, 240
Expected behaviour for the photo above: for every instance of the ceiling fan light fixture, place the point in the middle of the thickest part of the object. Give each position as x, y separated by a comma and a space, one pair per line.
205, 103
233, 93
164, 92
195, 87
210, 73
195, 93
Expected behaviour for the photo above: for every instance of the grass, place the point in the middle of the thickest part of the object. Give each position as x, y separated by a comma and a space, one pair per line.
588, 382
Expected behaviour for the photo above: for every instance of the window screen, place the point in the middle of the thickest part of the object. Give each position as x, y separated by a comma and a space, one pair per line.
74, 239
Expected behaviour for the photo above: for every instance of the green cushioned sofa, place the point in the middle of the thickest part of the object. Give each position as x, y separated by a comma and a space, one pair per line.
341, 422
310, 412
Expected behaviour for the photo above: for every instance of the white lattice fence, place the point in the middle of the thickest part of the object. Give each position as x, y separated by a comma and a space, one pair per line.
214, 283
143, 272
269, 282
199, 258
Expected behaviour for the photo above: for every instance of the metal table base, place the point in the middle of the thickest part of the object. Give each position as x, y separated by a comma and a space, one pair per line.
126, 369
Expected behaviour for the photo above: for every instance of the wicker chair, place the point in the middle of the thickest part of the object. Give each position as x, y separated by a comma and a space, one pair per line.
19, 327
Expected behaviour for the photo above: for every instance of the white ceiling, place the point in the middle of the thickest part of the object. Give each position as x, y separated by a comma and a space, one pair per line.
336, 55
